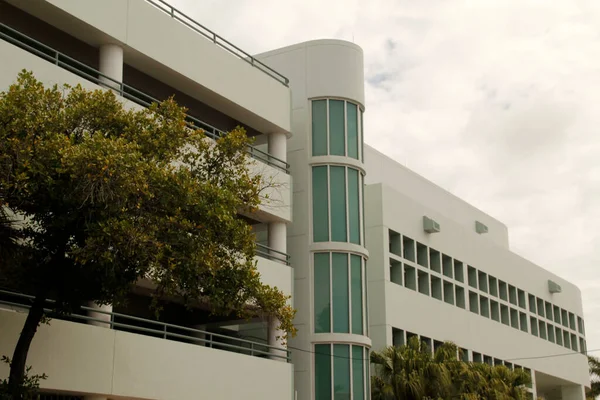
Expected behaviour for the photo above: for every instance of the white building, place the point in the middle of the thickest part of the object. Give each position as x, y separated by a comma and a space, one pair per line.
441, 269
338, 204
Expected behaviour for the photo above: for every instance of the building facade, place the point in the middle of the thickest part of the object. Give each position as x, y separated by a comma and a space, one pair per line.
370, 252
442, 270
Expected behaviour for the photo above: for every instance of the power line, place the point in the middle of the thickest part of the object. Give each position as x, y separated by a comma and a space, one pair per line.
368, 360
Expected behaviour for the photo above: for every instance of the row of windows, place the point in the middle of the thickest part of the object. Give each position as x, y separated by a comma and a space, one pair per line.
427, 257
341, 372
336, 204
417, 279
339, 293
400, 337
336, 128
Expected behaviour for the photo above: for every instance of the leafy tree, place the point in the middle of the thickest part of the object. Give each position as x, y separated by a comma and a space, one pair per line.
110, 195
594, 364
412, 372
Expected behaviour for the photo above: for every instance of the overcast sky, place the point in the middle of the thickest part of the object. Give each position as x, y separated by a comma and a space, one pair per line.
495, 100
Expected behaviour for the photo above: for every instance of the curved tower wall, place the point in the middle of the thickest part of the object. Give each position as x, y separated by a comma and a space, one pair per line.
326, 239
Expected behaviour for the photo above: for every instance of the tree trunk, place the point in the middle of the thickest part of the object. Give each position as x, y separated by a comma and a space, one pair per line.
19, 359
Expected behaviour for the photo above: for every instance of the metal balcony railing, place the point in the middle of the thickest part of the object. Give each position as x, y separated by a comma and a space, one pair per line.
272, 254
218, 40
62, 60
157, 329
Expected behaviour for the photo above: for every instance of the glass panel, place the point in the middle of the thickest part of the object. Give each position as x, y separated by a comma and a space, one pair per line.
358, 382
322, 298
341, 314
353, 210
319, 127
338, 204
320, 205
322, 372
341, 372
362, 138
357, 304
336, 128
352, 127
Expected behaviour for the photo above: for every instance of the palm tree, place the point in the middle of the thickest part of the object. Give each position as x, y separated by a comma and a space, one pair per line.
409, 372
412, 372
594, 364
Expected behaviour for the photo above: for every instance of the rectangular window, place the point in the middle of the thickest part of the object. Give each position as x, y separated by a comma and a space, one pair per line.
358, 382
322, 372
352, 127
319, 128
357, 297
336, 128
341, 301
341, 372
338, 204
322, 295
353, 207
320, 205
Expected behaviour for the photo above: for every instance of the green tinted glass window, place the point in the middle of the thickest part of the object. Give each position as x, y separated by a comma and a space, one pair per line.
341, 301
341, 372
362, 138
320, 205
358, 373
338, 204
353, 206
323, 372
336, 128
321, 293
352, 128
319, 127
356, 290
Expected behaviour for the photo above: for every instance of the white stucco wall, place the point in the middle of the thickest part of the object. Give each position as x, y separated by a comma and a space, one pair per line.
94, 360
382, 169
392, 305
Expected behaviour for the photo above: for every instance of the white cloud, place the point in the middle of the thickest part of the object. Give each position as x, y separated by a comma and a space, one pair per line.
494, 100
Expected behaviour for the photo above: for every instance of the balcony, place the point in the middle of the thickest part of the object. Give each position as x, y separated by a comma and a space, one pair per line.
218, 40
138, 97
166, 45
144, 359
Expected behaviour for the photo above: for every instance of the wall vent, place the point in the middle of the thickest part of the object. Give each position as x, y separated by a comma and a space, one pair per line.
430, 226
480, 227
554, 287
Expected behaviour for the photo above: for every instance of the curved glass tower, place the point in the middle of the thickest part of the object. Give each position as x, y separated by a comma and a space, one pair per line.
326, 240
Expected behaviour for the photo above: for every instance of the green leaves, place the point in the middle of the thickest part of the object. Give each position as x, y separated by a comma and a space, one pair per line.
111, 196
412, 372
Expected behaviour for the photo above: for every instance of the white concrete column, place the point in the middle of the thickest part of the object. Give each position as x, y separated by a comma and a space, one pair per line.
278, 145
573, 392
111, 63
100, 316
278, 239
199, 335
274, 338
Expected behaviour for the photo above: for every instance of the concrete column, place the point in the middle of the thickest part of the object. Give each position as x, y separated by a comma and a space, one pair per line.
278, 145
278, 238
99, 315
111, 64
573, 392
199, 335
274, 336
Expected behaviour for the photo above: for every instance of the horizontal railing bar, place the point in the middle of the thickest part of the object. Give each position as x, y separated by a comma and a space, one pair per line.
162, 331
56, 59
172, 11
